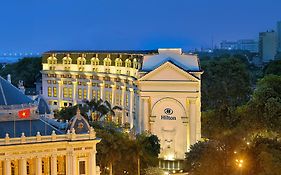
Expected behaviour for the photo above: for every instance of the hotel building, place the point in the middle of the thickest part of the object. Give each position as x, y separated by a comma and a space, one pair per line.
158, 90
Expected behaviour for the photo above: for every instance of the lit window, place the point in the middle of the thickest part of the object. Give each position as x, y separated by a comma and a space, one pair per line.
95, 61
85, 94
55, 91
94, 94
135, 63
127, 100
108, 96
65, 92
98, 94
118, 62
70, 92
49, 91
128, 63
80, 93
107, 61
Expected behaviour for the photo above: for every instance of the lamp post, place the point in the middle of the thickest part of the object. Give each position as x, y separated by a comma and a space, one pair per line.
239, 163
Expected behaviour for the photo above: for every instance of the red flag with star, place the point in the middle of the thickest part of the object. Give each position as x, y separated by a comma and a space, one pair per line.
25, 113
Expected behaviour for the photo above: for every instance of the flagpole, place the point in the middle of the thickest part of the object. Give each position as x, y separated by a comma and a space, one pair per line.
14, 126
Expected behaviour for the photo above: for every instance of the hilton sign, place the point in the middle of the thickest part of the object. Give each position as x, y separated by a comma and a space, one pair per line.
168, 112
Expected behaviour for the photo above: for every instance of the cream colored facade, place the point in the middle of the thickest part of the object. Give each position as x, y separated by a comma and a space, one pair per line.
159, 91
69, 154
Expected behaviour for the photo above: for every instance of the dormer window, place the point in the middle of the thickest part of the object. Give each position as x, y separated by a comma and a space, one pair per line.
81, 60
95, 61
128, 63
52, 59
118, 62
135, 63
67, 59
107, 61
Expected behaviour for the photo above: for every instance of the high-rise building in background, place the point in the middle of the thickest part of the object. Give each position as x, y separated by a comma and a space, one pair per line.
279, 35
268, 45
243, 44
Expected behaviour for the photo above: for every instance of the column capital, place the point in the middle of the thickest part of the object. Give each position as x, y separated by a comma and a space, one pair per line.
192, 100
145, 98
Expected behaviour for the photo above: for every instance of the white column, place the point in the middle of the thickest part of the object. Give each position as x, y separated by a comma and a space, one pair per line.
192, 121
123, 97
113, 87
102, 92
198, 120
131, 121
7, 167
145, 102
68, 163
89, 90
23, 170
92, 163
38, 166
60, 93
74, 92
74, 165
54, 165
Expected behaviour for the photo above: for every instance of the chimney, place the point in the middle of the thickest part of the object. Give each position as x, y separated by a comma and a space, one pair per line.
9, 78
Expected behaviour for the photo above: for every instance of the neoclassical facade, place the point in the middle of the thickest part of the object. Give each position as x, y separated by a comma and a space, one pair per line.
159, 91
68, 154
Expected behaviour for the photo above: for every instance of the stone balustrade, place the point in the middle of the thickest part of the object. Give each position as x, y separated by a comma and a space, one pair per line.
69, 136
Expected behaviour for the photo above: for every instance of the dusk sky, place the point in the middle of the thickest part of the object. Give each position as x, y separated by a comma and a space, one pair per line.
38, 26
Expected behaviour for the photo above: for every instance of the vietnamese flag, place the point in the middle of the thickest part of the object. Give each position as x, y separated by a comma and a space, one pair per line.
25, 113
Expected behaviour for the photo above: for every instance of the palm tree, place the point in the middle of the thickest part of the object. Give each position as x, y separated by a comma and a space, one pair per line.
109, 110
94, 106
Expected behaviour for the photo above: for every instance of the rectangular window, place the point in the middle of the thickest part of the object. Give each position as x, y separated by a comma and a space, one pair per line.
85, 94
118, 99
82, 168
49, 91
70, 92
80, 93
65, 92
55, 91
127, 100
94, 94
107, 96
98, 94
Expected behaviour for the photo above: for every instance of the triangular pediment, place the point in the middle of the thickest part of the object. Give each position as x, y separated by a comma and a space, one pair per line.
168, 72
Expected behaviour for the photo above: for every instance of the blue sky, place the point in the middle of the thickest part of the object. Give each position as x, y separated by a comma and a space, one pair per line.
42, 25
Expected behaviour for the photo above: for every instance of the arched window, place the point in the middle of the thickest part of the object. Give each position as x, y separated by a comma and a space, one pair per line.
118, 62
67, 59
52, 59
128, 63
81, 60
95, 60
135, 63
107, 61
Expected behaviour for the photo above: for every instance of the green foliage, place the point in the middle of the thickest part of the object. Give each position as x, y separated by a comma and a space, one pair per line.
25, 69
273, 67
153, 171
120, 152
226, 81
68, 112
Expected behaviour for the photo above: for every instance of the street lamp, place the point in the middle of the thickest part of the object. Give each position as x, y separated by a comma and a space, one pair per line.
239, 163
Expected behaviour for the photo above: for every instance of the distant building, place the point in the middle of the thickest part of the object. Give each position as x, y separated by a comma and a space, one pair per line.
243, 44
267, 45
229, 45
248, 44
279, 35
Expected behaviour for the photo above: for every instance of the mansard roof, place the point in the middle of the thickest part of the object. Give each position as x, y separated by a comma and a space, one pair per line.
187, 62
10, 95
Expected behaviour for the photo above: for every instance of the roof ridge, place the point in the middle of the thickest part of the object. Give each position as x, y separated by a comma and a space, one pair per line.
3, 94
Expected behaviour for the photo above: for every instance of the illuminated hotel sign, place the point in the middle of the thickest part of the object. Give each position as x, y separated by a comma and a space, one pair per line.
168, 112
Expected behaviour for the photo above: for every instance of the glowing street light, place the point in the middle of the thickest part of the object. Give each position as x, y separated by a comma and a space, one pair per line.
239, 163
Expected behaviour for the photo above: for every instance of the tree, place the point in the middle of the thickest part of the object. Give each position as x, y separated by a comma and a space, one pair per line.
26, 69
226, 81
264, 109
273, 67
110, 111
